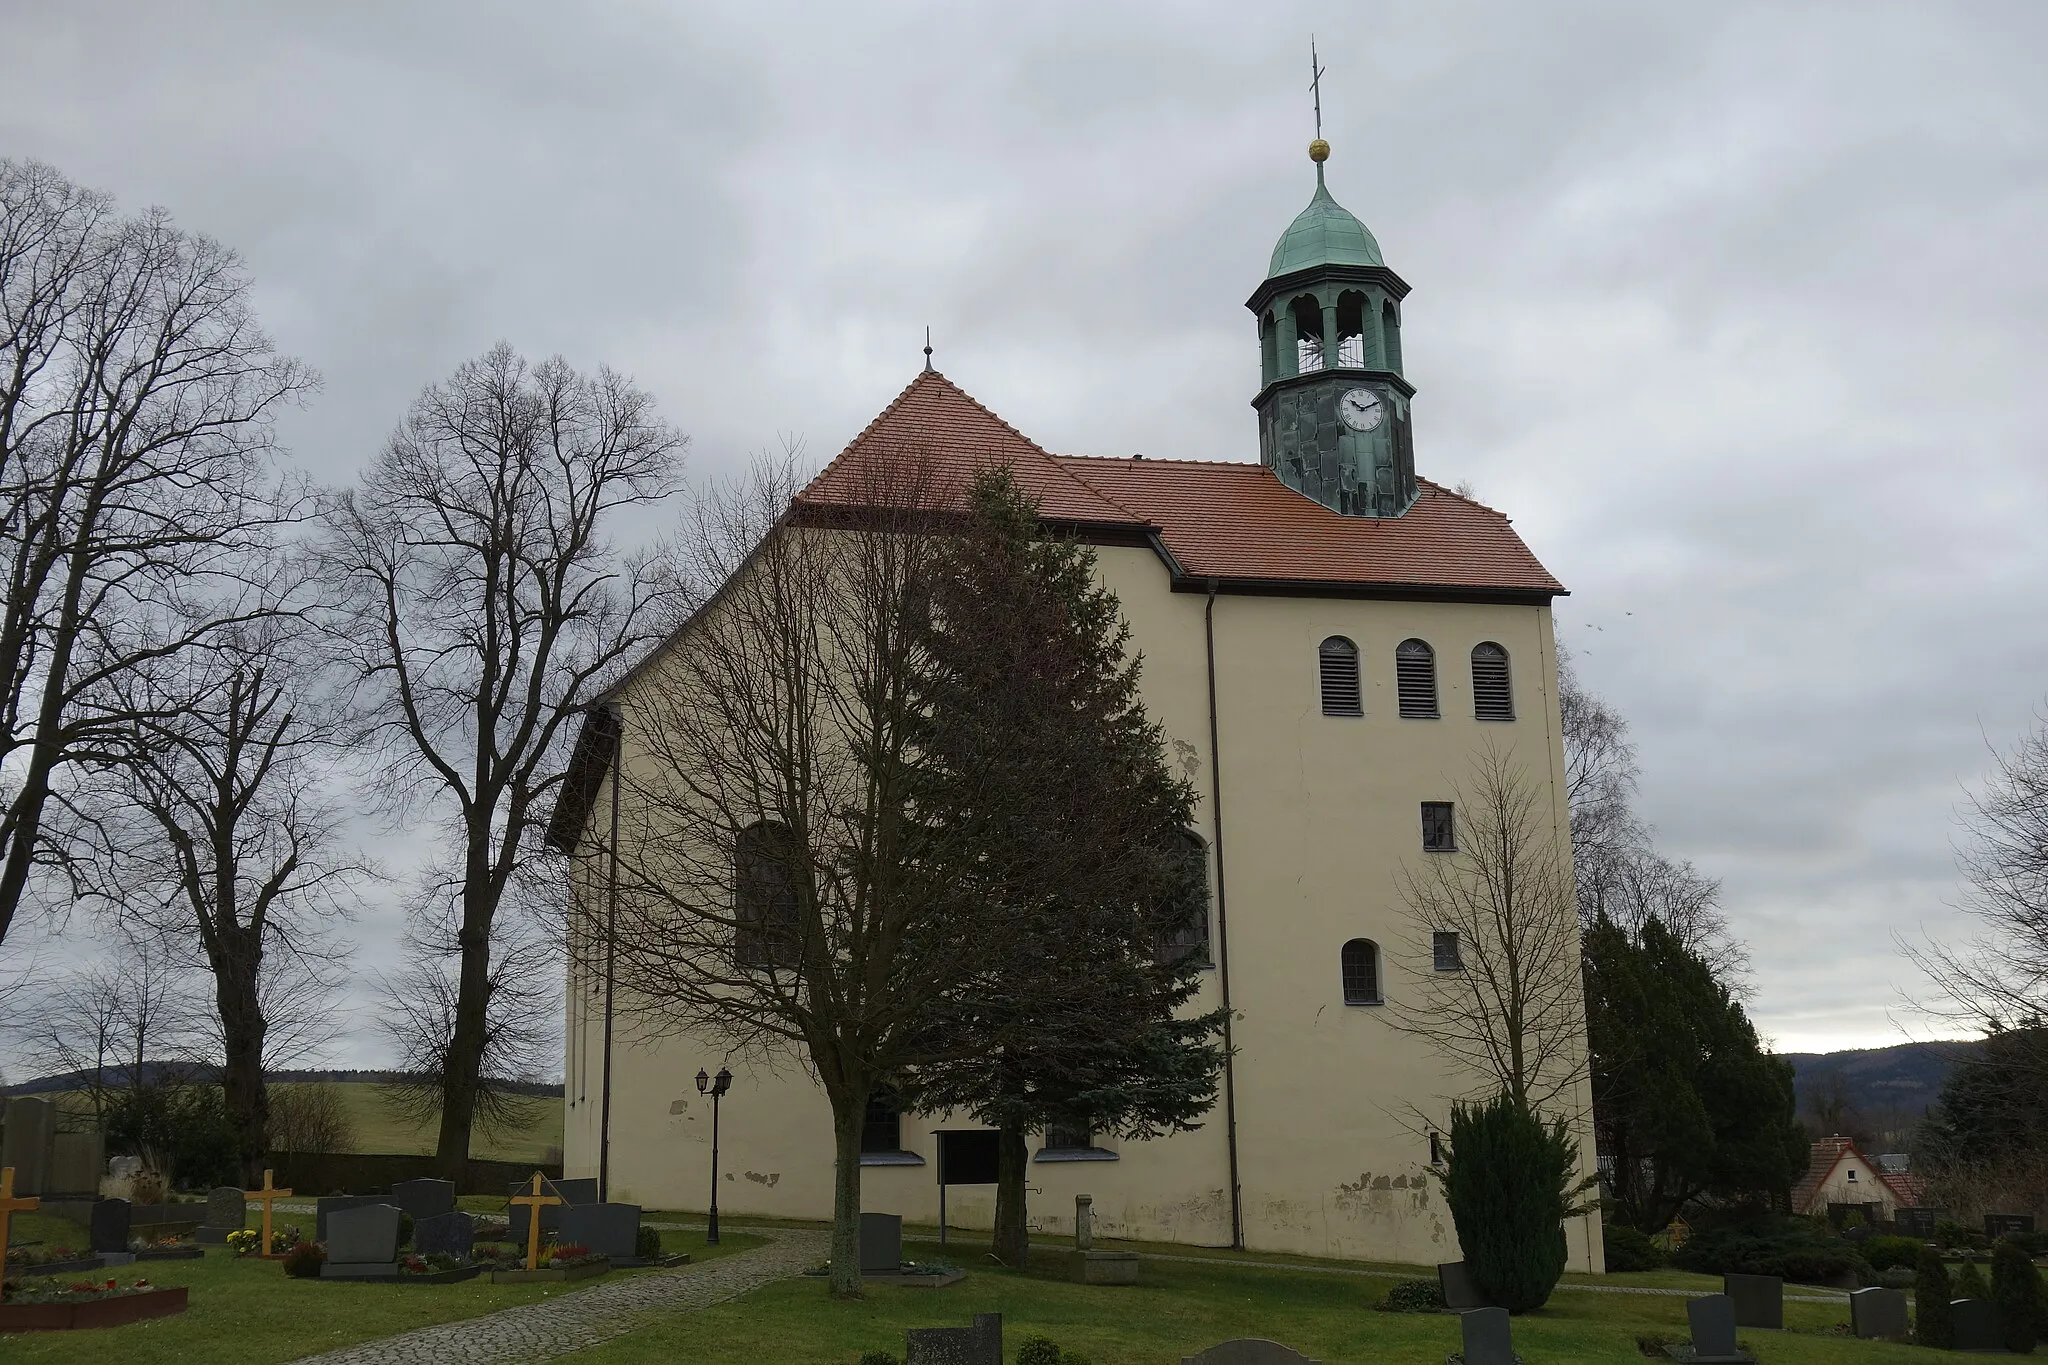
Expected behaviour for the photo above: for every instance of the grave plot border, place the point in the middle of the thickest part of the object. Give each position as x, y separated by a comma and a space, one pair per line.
552, 1274
116, 1311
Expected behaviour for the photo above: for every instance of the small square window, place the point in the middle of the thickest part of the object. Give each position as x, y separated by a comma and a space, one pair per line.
1444, 947
1065, 1137
1436, 1149
1438, 827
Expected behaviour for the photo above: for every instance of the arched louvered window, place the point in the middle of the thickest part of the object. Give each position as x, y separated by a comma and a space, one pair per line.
1415, 677
1187, 928
1492, 698
765, 866
1338, 659
1361, 962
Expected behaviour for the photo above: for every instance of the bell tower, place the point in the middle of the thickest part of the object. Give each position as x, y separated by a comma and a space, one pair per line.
1333, 407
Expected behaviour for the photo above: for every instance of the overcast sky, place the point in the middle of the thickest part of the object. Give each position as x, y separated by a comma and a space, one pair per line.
1737, 310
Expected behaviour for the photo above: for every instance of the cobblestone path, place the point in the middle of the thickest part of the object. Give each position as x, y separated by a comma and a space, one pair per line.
571, 1321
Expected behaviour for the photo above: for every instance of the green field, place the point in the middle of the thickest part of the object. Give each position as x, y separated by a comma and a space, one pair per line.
379, 1128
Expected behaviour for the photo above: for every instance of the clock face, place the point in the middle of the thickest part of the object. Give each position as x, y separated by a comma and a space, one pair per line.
1361, 409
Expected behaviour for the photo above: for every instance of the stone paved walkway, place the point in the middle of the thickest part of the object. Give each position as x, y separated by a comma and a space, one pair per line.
572, 1321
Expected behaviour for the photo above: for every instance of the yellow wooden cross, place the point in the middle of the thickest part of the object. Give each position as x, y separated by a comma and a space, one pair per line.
9, 1206
534, 1200
267, 1196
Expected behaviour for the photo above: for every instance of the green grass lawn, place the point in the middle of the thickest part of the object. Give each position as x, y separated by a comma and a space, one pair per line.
381, 1128
248, 1312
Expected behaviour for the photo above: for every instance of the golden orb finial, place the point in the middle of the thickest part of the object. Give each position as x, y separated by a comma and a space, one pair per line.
1319, 151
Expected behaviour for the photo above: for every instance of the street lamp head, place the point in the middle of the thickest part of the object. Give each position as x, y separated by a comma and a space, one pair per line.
703, 1081
724, 1082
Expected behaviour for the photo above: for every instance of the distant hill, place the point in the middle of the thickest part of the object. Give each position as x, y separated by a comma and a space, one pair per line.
1891, 1086
155, 1072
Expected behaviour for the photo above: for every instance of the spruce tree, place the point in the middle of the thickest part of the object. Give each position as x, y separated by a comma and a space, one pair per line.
1932, 1325
1044, 789
1508, 1184
2016, 1288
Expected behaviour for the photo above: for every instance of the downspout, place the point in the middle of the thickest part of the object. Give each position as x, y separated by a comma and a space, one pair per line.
1223, 931
611, 947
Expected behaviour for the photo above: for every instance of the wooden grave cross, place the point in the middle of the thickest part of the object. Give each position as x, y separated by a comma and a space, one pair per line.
9, 1206
266, 1197
534, 1200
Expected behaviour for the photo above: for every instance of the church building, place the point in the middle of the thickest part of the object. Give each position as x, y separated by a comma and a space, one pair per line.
1329, 641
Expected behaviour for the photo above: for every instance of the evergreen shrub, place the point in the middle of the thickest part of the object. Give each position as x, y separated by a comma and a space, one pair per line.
2016, 1286
1039, 1351
1970, 1282
1506, 1185
1628, 1249
404, 1228
1790, 1248
647, 1243
1887, 1253
878, 1358
303, 1261
1931, 1293
1414, 1296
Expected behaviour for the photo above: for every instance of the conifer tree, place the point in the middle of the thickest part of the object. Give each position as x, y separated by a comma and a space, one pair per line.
1044, 791
2016, 1286
1932, 1325
1509, 1186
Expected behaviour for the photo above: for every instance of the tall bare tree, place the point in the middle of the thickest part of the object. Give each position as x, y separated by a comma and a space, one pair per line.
136, 398
772, 892
114, 1019
484, 606
1511, 1011
221, 836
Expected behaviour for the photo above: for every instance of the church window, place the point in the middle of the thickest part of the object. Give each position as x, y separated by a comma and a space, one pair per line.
767, 929
882, 1129
1439, 827
1361, 964
1492, 698
1415, 676
1338, 660
1390, 330
1188, 917
1308, 333
1443, 945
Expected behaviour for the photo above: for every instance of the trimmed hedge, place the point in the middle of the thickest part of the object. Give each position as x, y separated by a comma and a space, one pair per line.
1628, 1249
1890, 1253
1790, 1248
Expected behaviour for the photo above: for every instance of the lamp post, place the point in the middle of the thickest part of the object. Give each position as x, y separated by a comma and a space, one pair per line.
717, 1089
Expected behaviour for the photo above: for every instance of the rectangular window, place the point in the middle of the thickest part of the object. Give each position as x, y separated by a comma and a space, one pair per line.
882, 1131
1439, 829
1069, 1137
1436, 1149
1444, 948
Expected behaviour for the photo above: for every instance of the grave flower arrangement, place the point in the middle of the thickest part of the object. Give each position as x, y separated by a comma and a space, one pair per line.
31, 1256
57, 1291
433, 1263
559, 1257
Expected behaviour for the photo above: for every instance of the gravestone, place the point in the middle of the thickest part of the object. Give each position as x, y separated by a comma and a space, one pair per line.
28, 1142
1996, 1225
1488, 1338
1918, 1222
331, 1204
1249, 1351
981, 1344
424, 1198
1878, 1314
445, 1234
881, 1244
1454, 1278
227, 1210
608, 1229
362, 1242
1712, 1319
1759, 1299
76, 1160
110, 1218
569, 1191
1977, 1325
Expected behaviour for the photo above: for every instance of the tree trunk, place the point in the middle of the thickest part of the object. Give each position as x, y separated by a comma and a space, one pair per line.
848, 1116
459, 1069
242, 1028
1013, 1236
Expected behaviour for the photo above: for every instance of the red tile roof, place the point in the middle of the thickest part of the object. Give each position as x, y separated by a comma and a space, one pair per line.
1236, 523
1828, 1152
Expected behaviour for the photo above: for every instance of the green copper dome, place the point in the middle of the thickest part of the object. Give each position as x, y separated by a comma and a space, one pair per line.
1324, 234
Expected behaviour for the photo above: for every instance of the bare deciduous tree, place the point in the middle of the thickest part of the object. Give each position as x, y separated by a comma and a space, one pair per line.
485, 606
114, 1019
136, 393
770, 888
310, 1116
1512, 1014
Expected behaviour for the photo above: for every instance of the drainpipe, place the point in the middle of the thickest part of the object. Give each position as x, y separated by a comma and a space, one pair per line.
1223, 932
611, 947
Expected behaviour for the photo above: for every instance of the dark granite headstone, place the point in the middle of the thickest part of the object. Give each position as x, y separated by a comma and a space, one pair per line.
1878, 1314
1996, 1225
1759, 1299
424, 1198
335, 1203
1712, 1319
1249, 1351
445, 1234
881, 1243
608, 1229
362, 1242
1918, 1222
1488, 1338
1454, 1278
227, 1209
110, 1219
981, 1344
1977, 1325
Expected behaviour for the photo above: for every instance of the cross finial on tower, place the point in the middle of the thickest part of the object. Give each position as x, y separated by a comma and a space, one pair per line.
927, 349
1319, 150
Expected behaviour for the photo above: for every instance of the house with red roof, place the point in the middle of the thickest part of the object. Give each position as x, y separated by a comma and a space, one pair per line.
1837, 1173
1331, 641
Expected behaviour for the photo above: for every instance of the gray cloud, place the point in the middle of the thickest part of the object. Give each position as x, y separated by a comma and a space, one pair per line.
1738, 313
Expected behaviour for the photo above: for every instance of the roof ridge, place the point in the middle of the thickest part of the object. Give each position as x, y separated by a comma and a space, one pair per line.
1461, 497
1156, 459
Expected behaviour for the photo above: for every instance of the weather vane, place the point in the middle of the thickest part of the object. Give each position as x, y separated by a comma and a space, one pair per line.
1315, 83
927, 347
